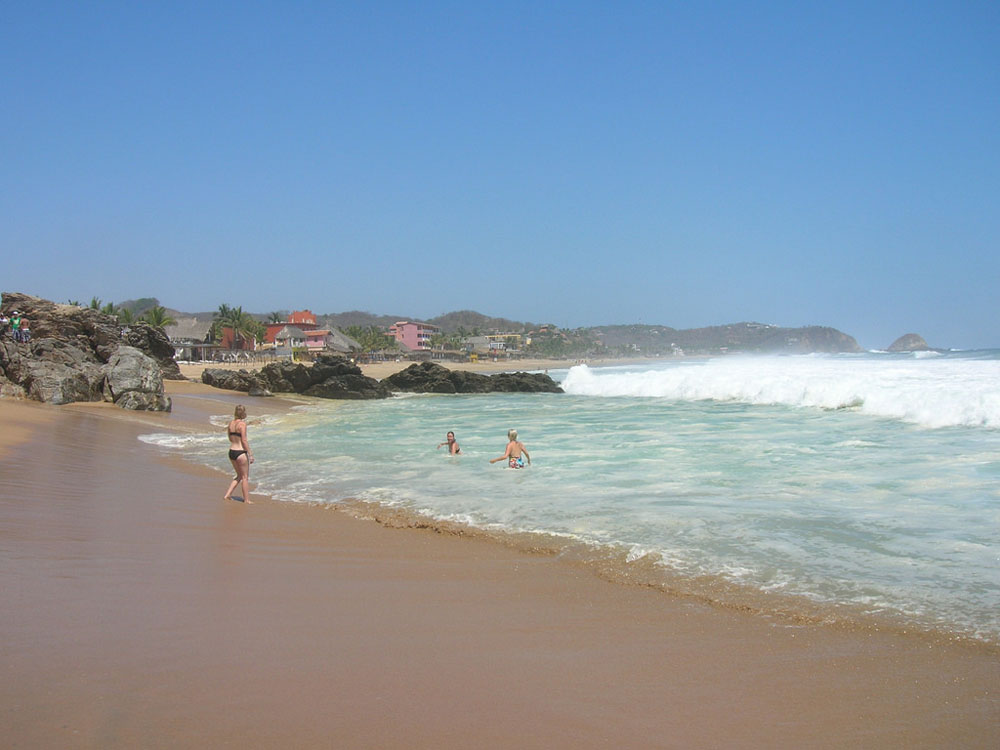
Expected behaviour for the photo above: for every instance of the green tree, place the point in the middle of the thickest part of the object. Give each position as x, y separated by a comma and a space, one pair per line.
371, 339
95, 303
244, 326
158, 317
276, 317
74, 302
125, 316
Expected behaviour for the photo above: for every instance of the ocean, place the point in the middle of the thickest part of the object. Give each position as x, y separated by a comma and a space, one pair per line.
844, 488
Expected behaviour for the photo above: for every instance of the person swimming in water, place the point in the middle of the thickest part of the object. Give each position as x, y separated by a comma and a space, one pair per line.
515, 453
453, 448
239, 453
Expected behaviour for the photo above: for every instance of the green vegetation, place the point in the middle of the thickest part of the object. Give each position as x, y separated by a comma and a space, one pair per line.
371, 338
448, 341
244, 326
550, 341
157, 316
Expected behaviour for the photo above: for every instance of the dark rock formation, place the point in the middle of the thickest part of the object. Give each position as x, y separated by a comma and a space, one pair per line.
909, 342
79, 354
524, 382
330, 377
155, 343
235, 380
428, 377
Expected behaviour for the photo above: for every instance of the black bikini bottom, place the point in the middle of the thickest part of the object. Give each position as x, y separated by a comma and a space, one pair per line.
233, 455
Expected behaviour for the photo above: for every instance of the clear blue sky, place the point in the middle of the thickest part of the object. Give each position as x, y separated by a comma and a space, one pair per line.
578, 163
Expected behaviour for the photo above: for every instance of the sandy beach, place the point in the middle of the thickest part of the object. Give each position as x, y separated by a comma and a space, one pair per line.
142, 610
379, 370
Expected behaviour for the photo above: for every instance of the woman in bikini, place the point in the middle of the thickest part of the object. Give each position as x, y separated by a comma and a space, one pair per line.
453, 448
239, 453
515, 454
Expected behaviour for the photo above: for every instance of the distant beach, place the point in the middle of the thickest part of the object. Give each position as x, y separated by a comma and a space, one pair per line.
145, 611
379, 370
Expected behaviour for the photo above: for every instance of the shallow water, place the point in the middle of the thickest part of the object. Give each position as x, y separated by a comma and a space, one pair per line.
868, 482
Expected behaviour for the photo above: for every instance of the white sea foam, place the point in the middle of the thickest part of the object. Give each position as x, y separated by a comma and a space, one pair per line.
178, 440
932, 392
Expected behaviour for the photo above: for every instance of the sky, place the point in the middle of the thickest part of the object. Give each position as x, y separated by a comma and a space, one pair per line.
577, 163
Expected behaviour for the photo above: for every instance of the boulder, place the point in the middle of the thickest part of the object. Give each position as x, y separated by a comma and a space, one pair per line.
347, 387
155, 343
53, 371
428, 377
69, 355
286, 377
423, 377
235, 380
909, 342
329, 377
134, 381
524, 382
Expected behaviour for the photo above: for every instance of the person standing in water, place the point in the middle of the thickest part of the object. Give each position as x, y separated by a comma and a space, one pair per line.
453, 448
515, 453
239, 453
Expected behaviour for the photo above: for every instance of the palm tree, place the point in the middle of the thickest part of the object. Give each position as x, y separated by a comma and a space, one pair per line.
244, 326
74, 302
276, 317
109, 309
371, 339
222, 318
125, 316
157, 316
95, 303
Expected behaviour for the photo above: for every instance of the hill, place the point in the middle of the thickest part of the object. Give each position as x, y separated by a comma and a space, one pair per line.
610, 340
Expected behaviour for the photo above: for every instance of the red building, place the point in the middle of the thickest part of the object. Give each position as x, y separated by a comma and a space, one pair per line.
304, 320
230, 341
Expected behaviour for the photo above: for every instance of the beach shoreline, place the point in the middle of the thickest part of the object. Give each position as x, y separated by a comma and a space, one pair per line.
380, 370
150, 612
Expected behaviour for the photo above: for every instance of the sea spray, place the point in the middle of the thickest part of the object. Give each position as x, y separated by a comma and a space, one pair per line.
938, 393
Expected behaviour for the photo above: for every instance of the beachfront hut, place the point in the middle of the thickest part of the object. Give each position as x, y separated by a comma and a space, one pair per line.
322, 341
290, 337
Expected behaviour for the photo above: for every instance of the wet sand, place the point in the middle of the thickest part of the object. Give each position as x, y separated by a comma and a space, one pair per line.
142, 610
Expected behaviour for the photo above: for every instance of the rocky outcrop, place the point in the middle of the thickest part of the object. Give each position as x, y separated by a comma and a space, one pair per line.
80, 354
235, 380
428, 377
155, 343
134, 380
909, 342
330, 377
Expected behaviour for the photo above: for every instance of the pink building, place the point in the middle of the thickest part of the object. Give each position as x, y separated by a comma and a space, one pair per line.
414, 336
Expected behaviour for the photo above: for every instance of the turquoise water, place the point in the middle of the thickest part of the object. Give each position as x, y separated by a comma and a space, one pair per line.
869, 482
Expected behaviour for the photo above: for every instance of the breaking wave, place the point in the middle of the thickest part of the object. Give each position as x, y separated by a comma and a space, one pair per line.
931, 392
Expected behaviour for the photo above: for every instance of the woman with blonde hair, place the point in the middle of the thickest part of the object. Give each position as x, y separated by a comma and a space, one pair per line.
239, 453
515, 453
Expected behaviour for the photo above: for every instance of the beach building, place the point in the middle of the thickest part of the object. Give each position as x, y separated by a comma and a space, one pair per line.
290, 337
413, 335
304, 320
323, 341
502, 342
239, 342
